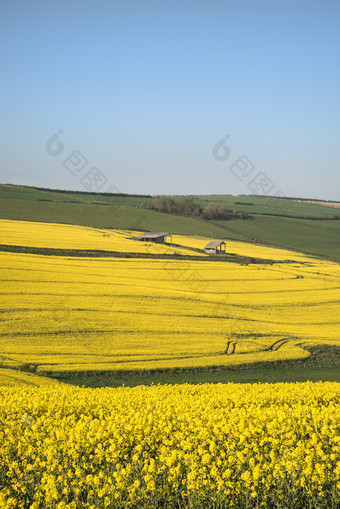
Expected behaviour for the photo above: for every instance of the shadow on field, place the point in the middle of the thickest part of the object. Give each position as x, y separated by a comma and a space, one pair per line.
322, 365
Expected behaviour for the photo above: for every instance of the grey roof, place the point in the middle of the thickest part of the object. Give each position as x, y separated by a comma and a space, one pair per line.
214, 243
150, 235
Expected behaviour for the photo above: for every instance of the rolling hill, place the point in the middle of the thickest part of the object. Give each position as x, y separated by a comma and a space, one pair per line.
298, 225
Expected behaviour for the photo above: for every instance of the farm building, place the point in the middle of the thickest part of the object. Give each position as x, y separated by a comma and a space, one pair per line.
215, 247
158, 238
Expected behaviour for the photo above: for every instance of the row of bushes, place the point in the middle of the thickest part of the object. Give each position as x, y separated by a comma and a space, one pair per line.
191, 208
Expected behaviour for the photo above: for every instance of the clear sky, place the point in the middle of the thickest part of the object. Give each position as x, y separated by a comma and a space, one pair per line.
143, 92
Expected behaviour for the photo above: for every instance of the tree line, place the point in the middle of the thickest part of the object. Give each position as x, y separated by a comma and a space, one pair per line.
191, 208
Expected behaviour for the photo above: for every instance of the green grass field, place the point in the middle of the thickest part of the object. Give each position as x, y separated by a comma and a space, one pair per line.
276, 206
314, 237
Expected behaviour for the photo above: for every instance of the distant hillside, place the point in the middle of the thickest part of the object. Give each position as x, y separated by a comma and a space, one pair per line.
309, 227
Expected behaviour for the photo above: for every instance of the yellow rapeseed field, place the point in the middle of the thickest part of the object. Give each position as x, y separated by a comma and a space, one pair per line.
214, 446
71, 314
64, 236
11, 377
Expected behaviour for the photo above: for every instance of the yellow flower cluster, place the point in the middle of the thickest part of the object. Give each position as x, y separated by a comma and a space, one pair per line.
222, 445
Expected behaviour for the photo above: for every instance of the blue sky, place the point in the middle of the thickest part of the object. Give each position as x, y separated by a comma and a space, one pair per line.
143, 91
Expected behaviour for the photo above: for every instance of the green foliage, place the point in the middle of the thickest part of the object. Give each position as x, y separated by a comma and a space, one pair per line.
216, 210
189, 207
183, 207
28, 368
